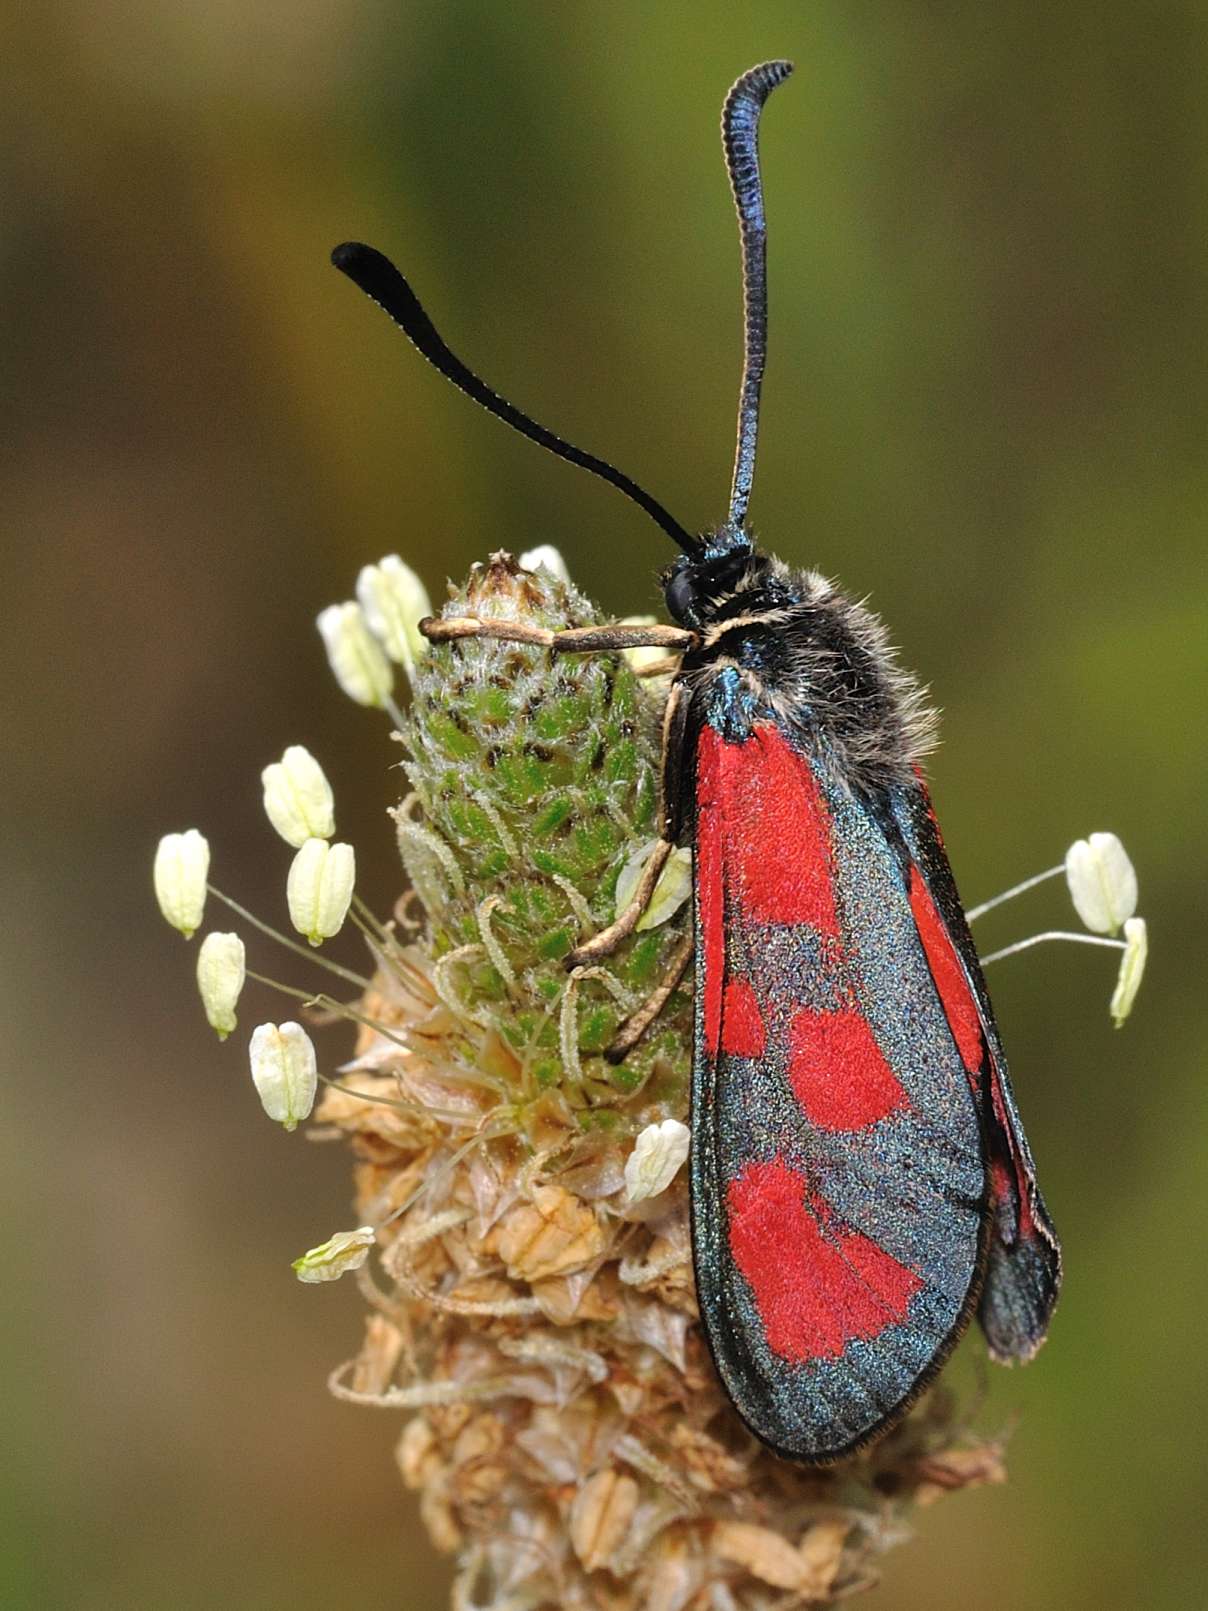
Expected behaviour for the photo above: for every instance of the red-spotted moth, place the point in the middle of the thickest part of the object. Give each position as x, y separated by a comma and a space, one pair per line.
861, 1183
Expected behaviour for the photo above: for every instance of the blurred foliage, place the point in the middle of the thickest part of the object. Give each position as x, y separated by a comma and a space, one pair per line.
985, 407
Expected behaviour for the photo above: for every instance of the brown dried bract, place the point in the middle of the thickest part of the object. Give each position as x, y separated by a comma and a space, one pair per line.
554, 1234
600, 1517
948, 1469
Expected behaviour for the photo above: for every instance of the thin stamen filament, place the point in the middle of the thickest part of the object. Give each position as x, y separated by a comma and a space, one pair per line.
341, 1009
290, 945
1009, 894
415, 1110
329, 1004
381, 944
383, 941
369, 917
1051, 934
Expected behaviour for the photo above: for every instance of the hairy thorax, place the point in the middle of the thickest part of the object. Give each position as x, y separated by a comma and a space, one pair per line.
787, 643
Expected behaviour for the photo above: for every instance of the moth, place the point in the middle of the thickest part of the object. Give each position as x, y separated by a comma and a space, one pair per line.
861, 1184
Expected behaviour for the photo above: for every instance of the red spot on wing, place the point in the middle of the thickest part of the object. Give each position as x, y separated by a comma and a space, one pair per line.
816, 1287
742, 1030
773, 827
960, 1009
838, 1072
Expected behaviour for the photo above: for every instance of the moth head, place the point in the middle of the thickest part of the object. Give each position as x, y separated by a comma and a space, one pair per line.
696, 584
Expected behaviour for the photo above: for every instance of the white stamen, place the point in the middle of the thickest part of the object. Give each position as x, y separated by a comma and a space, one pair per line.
182, 862
221, 970
1103, 884
1043, 939
490, 944
1132, 969
319, 888
355, 655
656, 1159
297, 797
395, 601
346, 1250
672, 890
284, 1071
547, 555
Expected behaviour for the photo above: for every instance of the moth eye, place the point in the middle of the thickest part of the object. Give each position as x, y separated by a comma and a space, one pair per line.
680, 595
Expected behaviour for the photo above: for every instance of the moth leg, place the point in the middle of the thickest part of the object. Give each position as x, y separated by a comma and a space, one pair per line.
634, 1027
607, 940
570, 640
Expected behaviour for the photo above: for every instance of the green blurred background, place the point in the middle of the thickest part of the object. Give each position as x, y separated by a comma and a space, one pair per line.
985, 407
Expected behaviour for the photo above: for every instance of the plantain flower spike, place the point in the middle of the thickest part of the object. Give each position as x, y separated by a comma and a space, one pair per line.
565, 1430
182, 864
518, 1150
346, 1250
1102, 882
395, 601
355, 655
297, 797
221, 970
319, 888
284, 1072
1132, 969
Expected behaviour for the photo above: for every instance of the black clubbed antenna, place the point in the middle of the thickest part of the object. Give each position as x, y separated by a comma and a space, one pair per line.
740, 140
379, 279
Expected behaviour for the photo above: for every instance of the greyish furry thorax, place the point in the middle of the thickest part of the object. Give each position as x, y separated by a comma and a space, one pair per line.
818, 660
